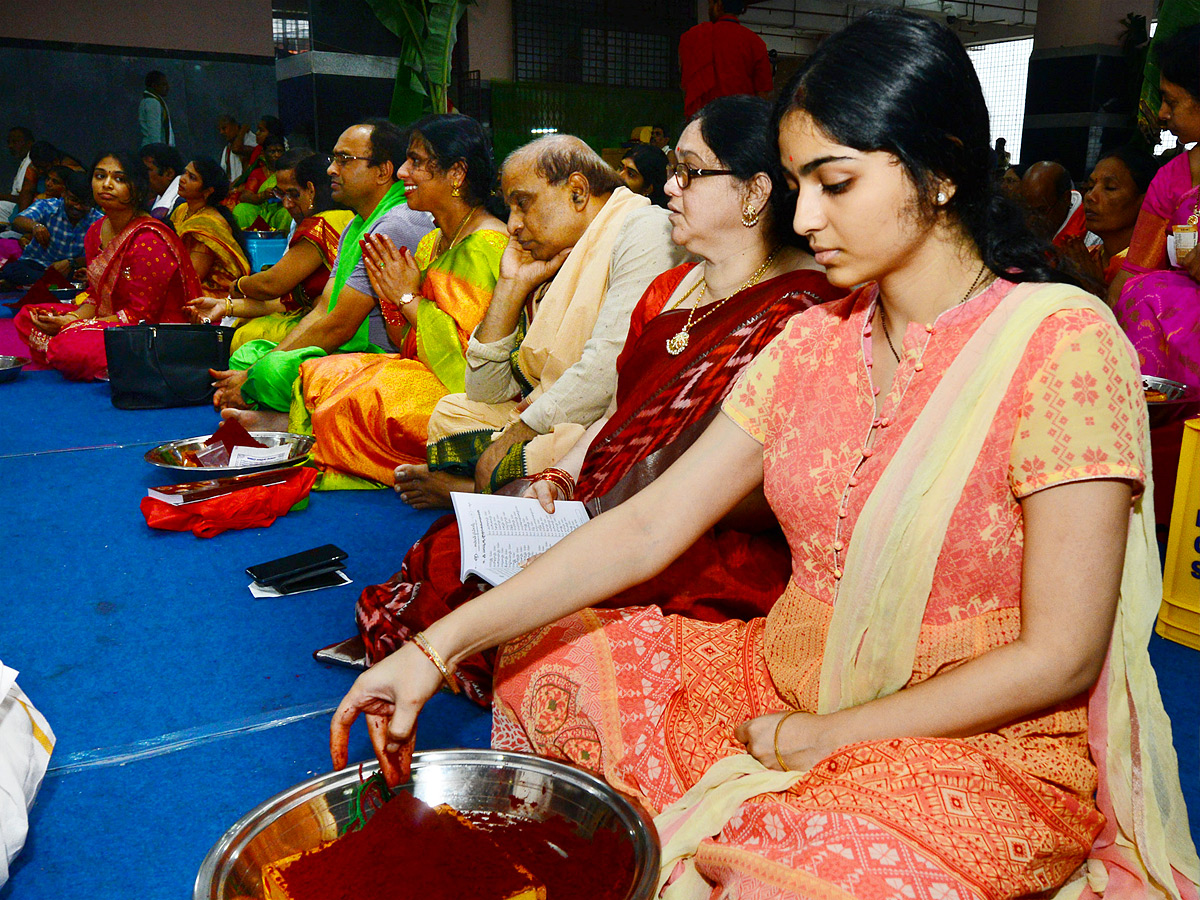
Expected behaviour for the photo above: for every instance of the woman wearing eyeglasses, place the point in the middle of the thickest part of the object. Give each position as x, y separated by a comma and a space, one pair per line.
273, 301
694, 330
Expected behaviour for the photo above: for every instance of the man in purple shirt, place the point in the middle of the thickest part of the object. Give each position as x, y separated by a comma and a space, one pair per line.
366, 160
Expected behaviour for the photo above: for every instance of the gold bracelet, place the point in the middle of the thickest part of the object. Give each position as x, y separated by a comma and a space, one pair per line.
778, 728
229, 307
434, 657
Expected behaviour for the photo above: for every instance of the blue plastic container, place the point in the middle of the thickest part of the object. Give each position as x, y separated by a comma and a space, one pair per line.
264, 248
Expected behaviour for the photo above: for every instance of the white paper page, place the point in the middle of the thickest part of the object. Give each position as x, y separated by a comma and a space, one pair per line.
497, 534
262, 590
242, 456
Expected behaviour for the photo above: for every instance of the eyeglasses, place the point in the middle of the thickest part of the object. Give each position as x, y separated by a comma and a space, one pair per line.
684, 173
342, 158
290, 194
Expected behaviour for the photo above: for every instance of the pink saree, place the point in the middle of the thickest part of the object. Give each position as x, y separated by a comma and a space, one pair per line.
1159, 307
143, 275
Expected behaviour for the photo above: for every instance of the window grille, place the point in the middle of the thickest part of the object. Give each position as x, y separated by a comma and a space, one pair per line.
1003, 69
618, 43
290, 27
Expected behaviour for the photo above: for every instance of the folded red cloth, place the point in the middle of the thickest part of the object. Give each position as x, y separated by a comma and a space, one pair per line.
251, 507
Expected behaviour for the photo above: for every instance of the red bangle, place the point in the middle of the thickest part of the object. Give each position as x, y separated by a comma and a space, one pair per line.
560, 478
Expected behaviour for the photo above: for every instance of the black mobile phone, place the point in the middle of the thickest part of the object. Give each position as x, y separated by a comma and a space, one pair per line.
323, 578
289, 568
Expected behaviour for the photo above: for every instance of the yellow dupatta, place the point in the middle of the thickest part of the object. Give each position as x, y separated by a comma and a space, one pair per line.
210, 228
1146, 848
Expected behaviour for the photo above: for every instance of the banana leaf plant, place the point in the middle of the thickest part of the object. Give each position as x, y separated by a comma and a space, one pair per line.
427, 29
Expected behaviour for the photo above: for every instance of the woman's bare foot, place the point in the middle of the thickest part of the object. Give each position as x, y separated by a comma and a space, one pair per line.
422, 489
258, 419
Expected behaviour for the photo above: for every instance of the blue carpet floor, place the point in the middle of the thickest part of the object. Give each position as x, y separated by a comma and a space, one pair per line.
179, 701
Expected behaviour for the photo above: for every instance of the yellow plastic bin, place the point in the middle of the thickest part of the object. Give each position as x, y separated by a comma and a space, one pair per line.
1179, 617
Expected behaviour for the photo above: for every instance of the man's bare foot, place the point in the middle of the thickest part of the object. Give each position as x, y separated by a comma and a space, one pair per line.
422, 489
258, 419
227, 388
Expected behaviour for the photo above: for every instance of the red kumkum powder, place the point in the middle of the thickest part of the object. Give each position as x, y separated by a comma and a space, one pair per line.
597, 868
407, 849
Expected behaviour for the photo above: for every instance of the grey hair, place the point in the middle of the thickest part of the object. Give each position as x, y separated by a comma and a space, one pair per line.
556, 157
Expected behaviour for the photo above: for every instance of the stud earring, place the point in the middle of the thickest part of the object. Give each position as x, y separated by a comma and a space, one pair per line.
942, 198
749, 215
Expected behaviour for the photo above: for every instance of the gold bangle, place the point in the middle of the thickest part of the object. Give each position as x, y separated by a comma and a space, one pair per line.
778, 728
434, 657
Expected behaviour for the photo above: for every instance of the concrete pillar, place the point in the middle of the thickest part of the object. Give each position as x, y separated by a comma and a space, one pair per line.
1081, 95
347, 77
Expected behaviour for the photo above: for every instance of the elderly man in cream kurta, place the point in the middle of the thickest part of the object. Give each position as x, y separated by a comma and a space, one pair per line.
541, 367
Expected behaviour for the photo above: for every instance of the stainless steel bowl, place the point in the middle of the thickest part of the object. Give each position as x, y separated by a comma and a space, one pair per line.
471, 781
11, 366
167, 456
1171, 390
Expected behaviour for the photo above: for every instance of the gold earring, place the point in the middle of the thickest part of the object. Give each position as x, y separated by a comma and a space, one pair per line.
455, 191
749, 215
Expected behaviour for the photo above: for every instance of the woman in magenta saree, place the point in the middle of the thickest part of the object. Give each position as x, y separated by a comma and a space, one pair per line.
735, 570
137, 271
1157, 295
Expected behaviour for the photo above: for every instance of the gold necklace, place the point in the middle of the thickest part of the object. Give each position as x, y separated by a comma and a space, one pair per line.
458, 231
678, 342
977, 283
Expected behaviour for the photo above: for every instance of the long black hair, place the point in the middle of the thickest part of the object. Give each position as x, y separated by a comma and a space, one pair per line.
314, 169
902, 83
651, 163
213, 176
739, 130
451, 138
135, 174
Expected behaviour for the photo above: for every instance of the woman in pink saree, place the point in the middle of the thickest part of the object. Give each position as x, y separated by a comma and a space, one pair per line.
138, 271
1156, 297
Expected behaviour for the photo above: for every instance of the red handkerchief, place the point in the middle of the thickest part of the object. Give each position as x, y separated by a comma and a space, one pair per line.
252, 507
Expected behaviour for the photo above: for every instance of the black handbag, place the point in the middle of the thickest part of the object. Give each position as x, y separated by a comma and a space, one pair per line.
158, 366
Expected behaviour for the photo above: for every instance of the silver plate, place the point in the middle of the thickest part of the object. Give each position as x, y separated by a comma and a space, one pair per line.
1171, 390
470, 781
165, 455
11, 366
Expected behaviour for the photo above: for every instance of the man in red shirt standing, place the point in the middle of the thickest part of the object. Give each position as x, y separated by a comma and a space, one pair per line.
721, 57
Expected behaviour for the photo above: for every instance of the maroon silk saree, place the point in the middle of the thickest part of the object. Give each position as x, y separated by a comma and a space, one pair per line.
664, 402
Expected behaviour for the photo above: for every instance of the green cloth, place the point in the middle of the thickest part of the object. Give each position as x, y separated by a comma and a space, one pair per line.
1173, 15
271, 372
